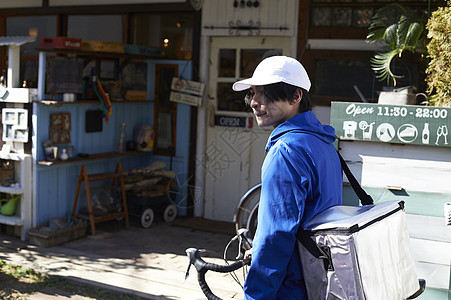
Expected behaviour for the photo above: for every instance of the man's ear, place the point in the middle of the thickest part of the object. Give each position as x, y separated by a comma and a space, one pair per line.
297, 98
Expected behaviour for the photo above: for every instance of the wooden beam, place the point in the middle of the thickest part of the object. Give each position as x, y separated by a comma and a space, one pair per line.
98, 9
303, 24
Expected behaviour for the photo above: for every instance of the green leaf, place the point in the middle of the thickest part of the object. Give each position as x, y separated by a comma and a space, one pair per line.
413, 34
381, 62
390, 36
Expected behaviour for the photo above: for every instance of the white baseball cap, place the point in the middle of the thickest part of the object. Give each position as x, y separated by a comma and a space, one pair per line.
276, 69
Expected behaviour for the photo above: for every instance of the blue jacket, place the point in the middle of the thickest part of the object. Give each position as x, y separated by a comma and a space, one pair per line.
301, 176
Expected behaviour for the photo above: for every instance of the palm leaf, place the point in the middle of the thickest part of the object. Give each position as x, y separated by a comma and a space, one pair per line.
381, 62
401, 33
391, 36
414, 34
401, 29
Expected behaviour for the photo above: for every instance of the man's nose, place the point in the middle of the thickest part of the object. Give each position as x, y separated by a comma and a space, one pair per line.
254, 103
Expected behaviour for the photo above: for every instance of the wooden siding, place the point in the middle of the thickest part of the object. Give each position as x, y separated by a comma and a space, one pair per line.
276, 14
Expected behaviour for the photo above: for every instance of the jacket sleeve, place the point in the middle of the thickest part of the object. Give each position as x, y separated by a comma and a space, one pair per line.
282, 199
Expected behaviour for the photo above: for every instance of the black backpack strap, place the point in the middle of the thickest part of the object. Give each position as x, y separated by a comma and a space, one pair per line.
365, 199
323, 253
304, 236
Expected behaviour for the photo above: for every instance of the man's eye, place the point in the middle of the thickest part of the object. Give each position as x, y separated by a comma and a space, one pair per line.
250, 94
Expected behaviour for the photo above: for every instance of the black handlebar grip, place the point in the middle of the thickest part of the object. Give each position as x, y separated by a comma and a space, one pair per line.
224, 268
205, 289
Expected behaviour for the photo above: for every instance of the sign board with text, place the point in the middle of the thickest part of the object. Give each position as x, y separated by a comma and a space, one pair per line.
401, 124
230, 121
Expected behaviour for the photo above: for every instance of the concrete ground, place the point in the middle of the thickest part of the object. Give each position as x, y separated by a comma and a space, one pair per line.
150, 262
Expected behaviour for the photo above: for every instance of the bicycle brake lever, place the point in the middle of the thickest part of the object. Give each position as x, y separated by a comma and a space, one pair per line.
187, 271
190, 253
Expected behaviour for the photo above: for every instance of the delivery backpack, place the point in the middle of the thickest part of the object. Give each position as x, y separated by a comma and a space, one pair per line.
362, 252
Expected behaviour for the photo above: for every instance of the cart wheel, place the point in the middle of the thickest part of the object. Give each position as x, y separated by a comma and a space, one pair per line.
147, 217
170, 212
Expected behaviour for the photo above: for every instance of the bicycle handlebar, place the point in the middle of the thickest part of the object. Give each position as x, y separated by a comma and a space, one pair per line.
194, 256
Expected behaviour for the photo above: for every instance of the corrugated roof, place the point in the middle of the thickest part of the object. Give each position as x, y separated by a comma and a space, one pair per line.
16, 40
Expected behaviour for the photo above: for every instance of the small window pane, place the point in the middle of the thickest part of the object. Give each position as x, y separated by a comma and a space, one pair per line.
34, 26
341, 16
251, 57
362, 17
230, 100
227, 62
96, 28
321, 16
329, 79
171, 36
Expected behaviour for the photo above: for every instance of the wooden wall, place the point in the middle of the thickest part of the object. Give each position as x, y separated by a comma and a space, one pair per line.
218, 14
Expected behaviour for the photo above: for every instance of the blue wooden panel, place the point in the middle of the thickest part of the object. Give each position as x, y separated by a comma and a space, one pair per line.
56, 185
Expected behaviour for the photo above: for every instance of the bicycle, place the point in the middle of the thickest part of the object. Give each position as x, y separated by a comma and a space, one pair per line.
246, 212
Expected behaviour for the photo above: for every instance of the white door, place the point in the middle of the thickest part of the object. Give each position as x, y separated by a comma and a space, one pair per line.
235, 146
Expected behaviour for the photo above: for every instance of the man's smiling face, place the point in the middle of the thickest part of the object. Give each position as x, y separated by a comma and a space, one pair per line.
272, 113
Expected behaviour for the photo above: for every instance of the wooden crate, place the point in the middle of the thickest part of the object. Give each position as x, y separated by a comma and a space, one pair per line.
99, 46
59, 42
142, 50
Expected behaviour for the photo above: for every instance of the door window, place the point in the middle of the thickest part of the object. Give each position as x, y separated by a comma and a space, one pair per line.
237, 64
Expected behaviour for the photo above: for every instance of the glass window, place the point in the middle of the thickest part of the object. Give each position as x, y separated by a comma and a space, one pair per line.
321, 16
227, 62
251, 57
348, 13
227, 99
329, 79
30, 26
362, 17
341, 16
107, 28
230, 100
173, 34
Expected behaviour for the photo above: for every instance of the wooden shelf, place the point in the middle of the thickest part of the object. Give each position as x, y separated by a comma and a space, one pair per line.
96, 156
83, 53
11, 220
78, 102
11, 190
102, 218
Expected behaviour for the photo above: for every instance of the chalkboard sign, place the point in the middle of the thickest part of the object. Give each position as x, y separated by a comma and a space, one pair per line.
65, 75
403, 124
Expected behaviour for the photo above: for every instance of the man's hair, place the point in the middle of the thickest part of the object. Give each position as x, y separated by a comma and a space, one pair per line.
282, 91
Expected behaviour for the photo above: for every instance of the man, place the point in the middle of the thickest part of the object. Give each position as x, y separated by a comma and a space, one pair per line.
301, 175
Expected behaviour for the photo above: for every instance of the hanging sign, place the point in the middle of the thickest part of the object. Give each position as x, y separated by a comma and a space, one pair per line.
401, 124
229, 121
187, 86
186, 91
185, 98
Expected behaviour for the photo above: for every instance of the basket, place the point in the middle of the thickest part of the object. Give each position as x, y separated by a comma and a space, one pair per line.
6, 174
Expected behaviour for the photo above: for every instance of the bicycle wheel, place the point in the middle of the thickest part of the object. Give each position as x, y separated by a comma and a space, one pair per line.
252, 221
246, 212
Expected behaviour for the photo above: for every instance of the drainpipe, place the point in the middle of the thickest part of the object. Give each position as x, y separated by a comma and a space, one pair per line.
199, 194
13, 66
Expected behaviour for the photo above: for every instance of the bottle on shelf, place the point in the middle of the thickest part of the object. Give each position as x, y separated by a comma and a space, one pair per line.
121, 143
64, 155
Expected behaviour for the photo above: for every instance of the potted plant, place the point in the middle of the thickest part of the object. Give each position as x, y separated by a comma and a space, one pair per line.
438, 73
398, 29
